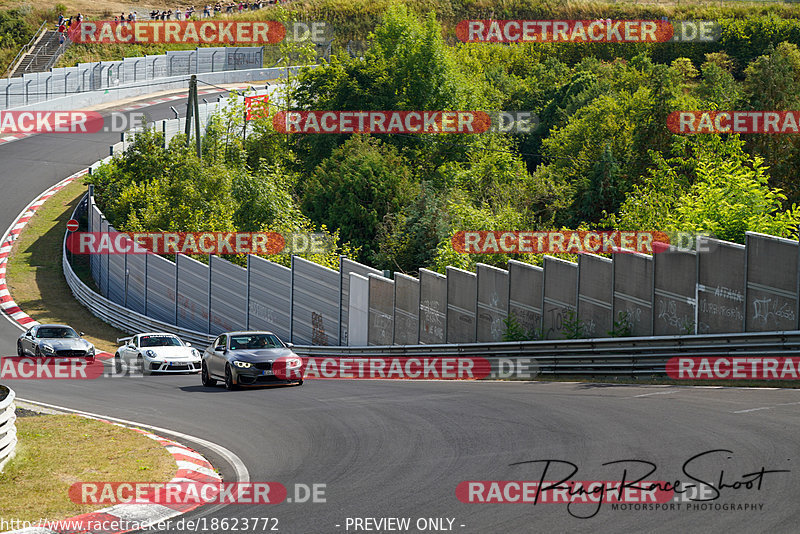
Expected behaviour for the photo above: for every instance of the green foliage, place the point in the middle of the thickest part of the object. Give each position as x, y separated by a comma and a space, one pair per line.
514, 331
623, 326
573, 327
356, 188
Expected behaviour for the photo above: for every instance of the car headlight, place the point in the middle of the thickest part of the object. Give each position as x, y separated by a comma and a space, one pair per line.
151, 354
195, 353
48, 349
90, 352
243, 365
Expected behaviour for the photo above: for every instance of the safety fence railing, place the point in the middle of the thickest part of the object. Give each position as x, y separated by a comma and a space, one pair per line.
32, 88
8, 428
623, 357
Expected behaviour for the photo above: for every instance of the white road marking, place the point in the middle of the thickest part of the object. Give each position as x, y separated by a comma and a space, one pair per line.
768, 407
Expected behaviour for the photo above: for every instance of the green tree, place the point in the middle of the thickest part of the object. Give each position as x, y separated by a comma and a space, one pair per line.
355, 188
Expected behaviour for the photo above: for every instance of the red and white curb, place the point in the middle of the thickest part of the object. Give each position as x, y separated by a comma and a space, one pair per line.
17, 136
192, 467
7, 304
179, 96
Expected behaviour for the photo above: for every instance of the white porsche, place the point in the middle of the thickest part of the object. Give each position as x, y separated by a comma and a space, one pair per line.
157, 352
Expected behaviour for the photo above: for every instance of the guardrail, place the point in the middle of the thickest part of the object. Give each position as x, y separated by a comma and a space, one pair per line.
8, 430
116, 315
632, 356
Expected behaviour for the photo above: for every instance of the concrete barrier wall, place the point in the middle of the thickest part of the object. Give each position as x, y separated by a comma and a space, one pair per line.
462, 290
315, 303
720, 287
228, 296
560, 295
358, 319
432, 307
595, 293
675, 279
492, 307
161, 289
269, 297
136, 271
633, 291
525, 284
347, 266
406, 310
193, 294
771, 283
381, 310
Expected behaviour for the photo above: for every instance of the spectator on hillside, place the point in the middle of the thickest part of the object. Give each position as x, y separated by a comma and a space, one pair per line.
178, 11
79, 18
60, 20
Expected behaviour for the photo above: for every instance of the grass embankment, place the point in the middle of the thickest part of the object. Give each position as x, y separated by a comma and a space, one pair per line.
35, 276
55, 451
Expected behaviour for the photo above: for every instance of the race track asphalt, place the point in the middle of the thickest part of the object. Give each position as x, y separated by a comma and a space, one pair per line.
400, 448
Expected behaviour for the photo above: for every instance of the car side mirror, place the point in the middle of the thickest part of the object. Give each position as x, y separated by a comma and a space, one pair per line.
188, 344
81, 334
290, 345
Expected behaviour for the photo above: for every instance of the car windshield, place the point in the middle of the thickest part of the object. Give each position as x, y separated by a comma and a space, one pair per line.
159, 341
255, 341
56, 332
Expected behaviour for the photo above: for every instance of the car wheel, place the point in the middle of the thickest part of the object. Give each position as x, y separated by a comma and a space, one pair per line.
299, 382
117, 364
206, 378
20, 352
142, 367
230, 385
37, 352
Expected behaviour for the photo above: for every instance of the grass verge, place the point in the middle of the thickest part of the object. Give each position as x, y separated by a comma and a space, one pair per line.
35, 277
55, 451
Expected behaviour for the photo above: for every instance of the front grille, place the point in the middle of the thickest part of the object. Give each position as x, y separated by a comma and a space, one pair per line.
187, 367
71, 353
264, 366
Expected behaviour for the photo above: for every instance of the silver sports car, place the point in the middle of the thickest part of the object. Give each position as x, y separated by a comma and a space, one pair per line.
246, 359
56, 340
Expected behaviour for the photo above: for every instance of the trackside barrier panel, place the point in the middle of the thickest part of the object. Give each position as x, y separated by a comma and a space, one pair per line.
462, 292
359, 310
315, 303
432, 307
228, 296
270, 296
116, 275
633, 291
136, 272
594, 294
675, 279
720, 288
492, 307
771, 283
160, 288
560, 295
525, 285
347, 266
381, 310
193, 294
406, 309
